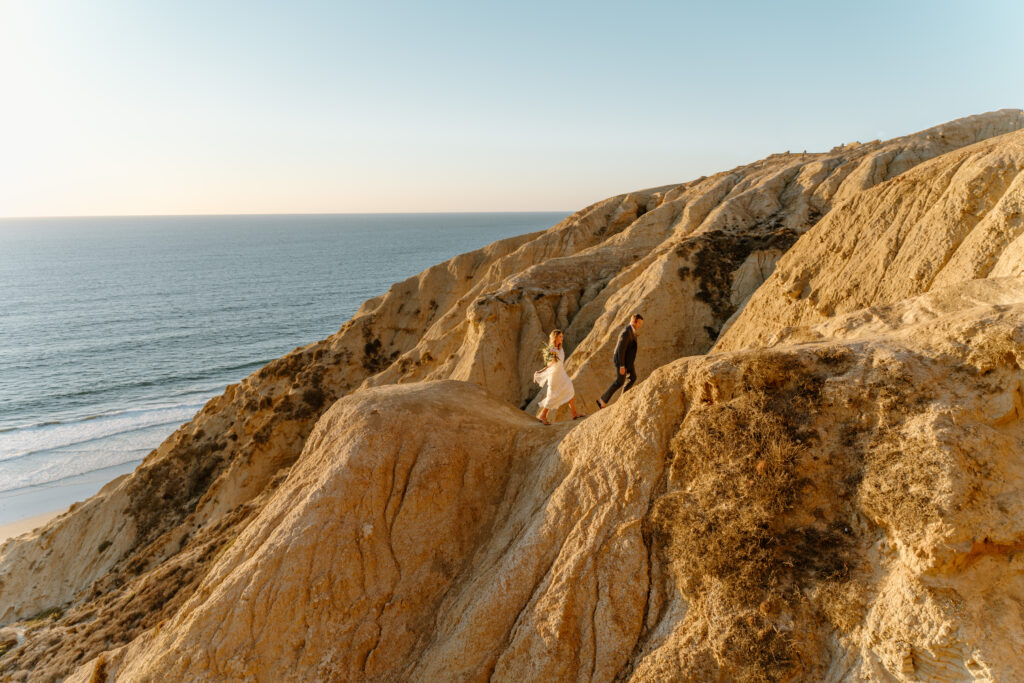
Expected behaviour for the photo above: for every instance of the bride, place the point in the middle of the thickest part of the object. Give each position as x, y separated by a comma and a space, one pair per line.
559, 385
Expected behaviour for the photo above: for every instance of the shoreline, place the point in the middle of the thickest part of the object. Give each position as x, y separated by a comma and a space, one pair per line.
20, 527
19, 506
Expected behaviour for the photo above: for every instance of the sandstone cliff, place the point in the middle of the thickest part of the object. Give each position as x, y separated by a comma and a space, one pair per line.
833, 493
955, 218
837, 510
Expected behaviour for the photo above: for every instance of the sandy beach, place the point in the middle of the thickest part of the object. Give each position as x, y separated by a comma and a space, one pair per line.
17, 528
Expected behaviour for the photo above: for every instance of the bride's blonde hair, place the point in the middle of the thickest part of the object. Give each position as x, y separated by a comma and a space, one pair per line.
553, 336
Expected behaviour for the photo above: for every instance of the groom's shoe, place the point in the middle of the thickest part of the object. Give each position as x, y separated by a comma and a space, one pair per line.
601, 404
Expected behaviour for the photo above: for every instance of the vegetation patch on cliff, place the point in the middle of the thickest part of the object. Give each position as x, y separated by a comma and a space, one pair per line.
714, 256
131, 599
753, 521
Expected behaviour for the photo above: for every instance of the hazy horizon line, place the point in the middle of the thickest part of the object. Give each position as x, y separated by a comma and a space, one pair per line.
277, 213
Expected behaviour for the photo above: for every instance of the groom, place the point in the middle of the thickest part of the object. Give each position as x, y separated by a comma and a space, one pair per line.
625, 354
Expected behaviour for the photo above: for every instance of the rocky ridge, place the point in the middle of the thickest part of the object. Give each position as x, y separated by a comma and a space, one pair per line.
741, 515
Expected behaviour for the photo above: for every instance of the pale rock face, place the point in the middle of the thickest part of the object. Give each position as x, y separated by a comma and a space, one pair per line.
955, 218
832, 494
465, 542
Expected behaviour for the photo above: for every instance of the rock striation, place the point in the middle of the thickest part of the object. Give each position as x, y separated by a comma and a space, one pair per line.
833, 510
955, 218
819, 477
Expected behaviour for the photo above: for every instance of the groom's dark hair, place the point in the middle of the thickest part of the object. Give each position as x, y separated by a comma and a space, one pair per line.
636, 316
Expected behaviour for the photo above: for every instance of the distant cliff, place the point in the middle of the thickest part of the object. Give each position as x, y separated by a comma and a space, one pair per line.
819, 477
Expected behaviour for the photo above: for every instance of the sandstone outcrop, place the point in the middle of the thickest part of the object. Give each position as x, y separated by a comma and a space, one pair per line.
833, 510
687, 256
957, 217
830, 494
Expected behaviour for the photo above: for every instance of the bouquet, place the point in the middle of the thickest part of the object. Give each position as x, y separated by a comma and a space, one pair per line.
548, 353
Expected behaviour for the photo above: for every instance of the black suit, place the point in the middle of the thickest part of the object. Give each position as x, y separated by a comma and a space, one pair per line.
625, 355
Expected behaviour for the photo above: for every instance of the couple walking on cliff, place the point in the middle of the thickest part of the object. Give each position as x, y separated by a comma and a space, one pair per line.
559, 386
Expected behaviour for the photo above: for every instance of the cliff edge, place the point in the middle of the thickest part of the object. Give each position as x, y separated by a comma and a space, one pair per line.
818, 478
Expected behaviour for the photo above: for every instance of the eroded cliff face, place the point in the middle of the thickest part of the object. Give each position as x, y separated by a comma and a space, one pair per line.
955, 218
687, 257
837, 510
830, 494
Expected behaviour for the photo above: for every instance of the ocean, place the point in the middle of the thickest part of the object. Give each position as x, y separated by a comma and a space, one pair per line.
115, 331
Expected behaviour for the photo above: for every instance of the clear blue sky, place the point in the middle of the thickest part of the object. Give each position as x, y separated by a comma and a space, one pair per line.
182, 106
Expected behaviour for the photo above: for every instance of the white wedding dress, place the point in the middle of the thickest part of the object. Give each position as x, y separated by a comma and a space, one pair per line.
559, 385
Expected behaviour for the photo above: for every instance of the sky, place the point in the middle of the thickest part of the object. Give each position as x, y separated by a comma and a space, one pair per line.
129, 107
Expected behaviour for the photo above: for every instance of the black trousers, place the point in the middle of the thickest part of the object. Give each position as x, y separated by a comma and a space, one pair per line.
629, 378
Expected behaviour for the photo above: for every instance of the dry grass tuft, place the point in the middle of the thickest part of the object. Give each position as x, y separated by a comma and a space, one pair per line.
734, 527
901, 486
714, 257
46, 615
1003, 348
99, 673
906, 477
844, 603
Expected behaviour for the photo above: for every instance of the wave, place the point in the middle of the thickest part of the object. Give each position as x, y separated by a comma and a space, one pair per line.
119, 388
130, 342
82, 442
166, 379
85, 360
65, 466
25, 441
198, 396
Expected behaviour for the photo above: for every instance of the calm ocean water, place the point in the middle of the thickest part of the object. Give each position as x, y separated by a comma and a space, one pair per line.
114, 331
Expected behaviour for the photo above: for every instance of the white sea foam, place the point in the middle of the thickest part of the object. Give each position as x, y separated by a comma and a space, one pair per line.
42, 453
20, 442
